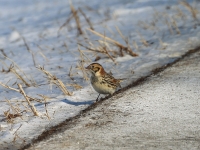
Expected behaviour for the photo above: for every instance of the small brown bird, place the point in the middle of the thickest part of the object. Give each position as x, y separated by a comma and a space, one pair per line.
101, 81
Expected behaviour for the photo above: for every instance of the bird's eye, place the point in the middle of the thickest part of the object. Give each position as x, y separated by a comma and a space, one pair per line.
96, 69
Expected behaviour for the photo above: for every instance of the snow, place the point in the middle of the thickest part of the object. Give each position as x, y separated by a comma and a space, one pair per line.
39, 22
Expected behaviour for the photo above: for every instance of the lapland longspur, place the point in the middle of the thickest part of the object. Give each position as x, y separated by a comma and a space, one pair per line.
101, 81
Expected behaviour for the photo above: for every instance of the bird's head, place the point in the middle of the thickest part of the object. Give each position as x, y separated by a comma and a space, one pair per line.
96, 69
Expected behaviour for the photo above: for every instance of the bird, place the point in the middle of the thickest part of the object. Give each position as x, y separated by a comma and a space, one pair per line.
101, 81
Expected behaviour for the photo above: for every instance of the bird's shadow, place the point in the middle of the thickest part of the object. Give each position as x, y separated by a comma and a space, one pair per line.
70, 102
78, 103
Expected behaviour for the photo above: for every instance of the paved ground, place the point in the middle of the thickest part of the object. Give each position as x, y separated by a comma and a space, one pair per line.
161, 113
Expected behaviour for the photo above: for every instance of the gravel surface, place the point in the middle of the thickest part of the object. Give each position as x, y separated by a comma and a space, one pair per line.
161, 113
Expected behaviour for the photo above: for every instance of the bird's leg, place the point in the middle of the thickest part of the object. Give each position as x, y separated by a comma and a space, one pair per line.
97, 98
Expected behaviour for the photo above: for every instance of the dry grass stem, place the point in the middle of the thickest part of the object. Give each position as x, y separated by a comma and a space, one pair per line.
75, 85
163, 45
104, 49
8, 87
120, 33
192, 10
34, 110
144, 42
169, 26
70, 74
135, 45
27, 108
81, 63
175, 26
17, 136
66, 22
87, 19
3, 53
82, 68
121, 47
76, 17
53, 79
9, 116
91, 49
45, 105
29, 50
83, 56
181, 14
11, 88
17, 111
41, 53
13, 68
17, 129
65, 45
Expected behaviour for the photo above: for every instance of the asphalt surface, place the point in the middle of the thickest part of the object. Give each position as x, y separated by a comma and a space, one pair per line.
162, 112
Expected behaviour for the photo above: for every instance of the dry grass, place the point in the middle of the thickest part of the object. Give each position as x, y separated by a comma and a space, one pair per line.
86, 18
135, 45
10, 116
29, 50
117, 44
83, 59
34, 110
143, 41
191, 9
162, 44
75, 86
17, 136
45, 104
76, 15
173, 21
53, 79
17, 71
28, 98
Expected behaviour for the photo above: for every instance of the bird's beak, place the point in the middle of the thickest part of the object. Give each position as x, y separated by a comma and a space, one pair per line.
87, 68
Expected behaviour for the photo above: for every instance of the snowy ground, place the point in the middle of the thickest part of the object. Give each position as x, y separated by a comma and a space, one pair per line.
158, 31
162, 113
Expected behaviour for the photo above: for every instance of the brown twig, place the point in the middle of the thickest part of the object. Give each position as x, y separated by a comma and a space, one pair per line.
34, 110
